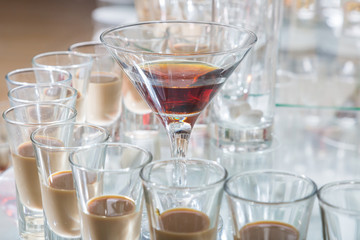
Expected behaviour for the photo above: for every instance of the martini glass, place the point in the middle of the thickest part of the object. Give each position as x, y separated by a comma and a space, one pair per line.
178, 67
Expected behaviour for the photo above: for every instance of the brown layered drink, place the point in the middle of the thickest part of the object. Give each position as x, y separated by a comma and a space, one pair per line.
60, 204
270, 230
184, 224
111, 217
103, 101
26, 176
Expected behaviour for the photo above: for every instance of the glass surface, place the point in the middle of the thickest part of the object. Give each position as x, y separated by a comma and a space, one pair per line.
178, 67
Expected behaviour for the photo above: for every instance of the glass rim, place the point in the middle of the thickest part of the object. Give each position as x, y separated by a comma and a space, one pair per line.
185, 55
11, 121
45, 146
221, 179
326, 186
54, 84
278, 173
108, 170
34, 69
73, 47
88, 61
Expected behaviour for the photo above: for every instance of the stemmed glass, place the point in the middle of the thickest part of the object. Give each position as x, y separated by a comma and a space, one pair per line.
178, 67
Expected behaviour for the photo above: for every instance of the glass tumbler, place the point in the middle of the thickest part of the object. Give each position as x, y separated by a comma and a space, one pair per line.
340, 210
79, 65
53, 145
109, 190
183, 198
270, 205
21, 121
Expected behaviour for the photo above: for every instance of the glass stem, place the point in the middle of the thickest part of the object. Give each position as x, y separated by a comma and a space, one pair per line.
179, 134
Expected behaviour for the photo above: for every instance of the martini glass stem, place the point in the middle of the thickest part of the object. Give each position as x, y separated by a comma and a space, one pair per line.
179, 134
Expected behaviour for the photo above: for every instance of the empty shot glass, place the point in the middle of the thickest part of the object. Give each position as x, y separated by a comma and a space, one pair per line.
53, 145
109, 190
20, 122
79, 65
50, 93
340, 210
37, 76
270, 205
183, 198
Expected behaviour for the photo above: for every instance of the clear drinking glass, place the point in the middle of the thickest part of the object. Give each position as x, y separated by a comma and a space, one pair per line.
32, 76
270, 205
50, 93
109, 190
178, 67
53, 145
183, 198
104, 94
79, 65
242, 114
190, 10
21, 121
340, 210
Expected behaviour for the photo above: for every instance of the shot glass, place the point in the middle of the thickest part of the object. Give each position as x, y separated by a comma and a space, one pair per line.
20, 122
104, 94
53, 145
79, 65
37, 76
50, 93
270, 205
109, 190
340, 210
183, 198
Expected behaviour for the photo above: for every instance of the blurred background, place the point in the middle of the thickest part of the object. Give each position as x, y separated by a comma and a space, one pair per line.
31, 27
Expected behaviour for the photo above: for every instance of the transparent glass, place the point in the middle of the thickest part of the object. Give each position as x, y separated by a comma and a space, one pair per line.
53, 145
103, 102
340, 210
183, 204
109, 190
270, 204
32, 76
178, 67
49, 93
20, 122
79, 65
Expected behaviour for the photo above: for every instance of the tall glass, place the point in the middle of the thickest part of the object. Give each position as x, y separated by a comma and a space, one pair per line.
21, 121
109, 190
50, 93
53, 145
32, 76
242, 114
79, 65
104, 94
178, 67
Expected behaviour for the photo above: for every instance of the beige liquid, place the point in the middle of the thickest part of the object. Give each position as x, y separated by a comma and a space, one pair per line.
103, 101
80, 108
111, 217
184, 224
132, 99
60, 204
26, 176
